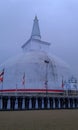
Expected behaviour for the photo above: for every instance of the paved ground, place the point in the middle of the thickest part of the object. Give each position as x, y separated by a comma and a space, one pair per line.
39, 120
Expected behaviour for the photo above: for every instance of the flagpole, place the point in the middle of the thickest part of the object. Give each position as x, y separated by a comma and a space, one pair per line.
16, 90
23, 80
2, 79
24, 85
16, 74
46, 76
2, 87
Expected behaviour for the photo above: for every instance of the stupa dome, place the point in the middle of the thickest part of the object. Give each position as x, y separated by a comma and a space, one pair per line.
35, 67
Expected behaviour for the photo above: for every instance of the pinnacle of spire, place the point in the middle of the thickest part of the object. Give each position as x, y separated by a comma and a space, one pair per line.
35, 30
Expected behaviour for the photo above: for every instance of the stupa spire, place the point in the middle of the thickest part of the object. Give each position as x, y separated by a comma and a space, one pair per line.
35, 30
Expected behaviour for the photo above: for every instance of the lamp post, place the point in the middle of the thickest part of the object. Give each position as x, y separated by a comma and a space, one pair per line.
46, 74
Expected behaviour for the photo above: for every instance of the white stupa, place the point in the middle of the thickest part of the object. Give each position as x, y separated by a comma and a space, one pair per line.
35, 70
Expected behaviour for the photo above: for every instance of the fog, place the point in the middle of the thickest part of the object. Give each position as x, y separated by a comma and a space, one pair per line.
58, 21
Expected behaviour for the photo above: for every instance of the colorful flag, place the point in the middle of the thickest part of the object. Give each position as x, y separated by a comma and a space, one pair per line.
1, 75
1, 79
23, 79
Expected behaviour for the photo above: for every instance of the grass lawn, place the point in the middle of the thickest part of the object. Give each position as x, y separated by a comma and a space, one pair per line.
39, 120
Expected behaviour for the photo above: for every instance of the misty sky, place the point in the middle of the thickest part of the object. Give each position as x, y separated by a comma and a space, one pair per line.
58, 21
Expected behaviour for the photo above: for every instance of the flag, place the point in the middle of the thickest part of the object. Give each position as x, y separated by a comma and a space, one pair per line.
1, 79
23, 79
1, 75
